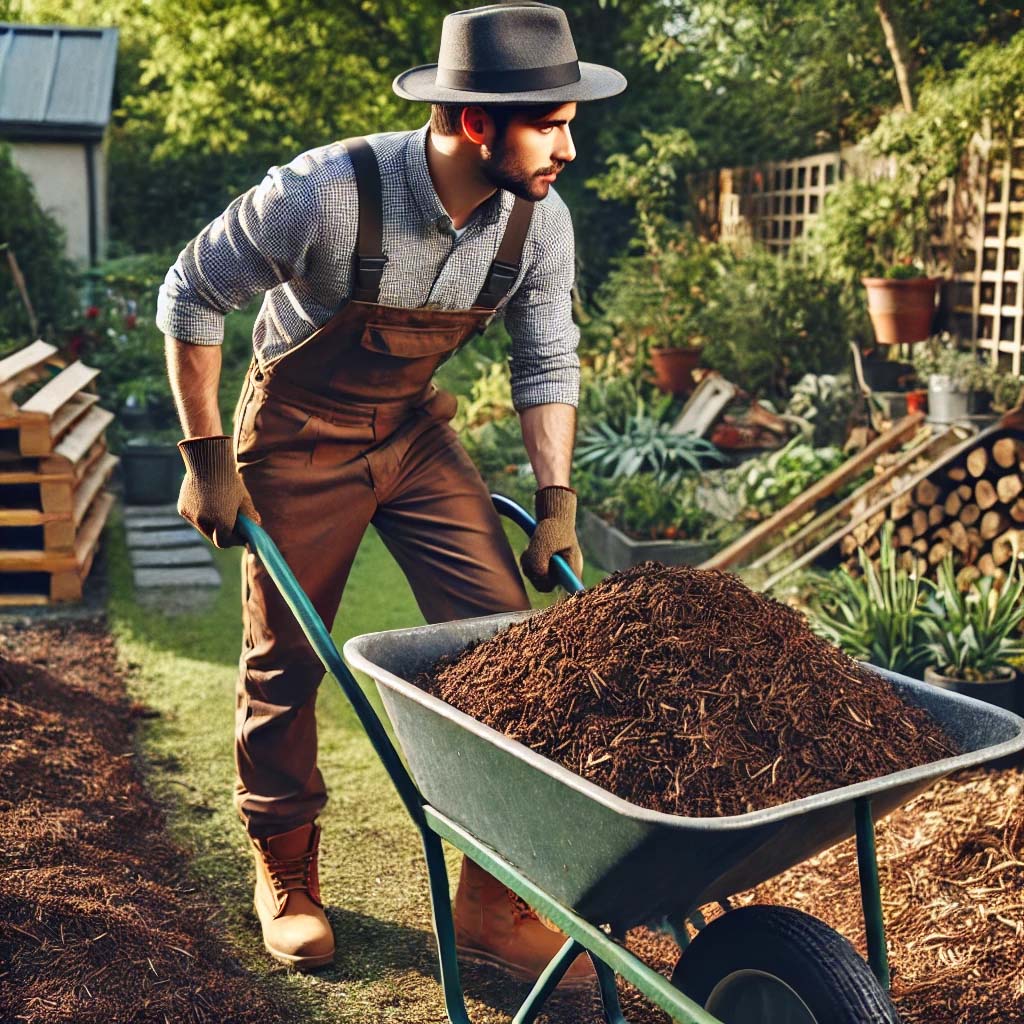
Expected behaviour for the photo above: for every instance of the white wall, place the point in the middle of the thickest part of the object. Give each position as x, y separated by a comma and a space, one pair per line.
58, 172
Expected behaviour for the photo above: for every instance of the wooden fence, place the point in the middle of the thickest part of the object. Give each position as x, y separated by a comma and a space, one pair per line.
978, 229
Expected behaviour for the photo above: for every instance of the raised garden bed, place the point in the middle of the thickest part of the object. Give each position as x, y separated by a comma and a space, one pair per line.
612, 549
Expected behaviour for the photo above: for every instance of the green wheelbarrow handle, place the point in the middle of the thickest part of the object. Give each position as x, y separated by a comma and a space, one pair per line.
560, 569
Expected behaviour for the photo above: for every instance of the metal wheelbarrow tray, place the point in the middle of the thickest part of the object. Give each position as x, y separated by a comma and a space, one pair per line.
610, 860
595, 864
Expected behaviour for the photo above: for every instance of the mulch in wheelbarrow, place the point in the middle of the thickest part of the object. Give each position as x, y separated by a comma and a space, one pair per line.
97, 920
684, 691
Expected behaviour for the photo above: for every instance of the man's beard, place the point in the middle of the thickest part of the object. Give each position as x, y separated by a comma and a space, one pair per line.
503, 172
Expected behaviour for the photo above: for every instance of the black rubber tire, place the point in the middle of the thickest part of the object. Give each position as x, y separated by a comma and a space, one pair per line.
814, 960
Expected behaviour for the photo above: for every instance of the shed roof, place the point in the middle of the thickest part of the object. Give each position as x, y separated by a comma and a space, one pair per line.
55, 81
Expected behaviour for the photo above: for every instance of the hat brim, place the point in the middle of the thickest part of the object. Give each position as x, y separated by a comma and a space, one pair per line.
597, 82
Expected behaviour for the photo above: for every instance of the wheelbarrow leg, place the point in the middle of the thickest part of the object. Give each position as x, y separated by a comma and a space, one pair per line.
609, 993
870, 895
444, 928
547, 982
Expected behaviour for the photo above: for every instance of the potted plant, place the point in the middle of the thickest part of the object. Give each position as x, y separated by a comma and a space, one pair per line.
654, 296
971, 635
632, 519
641, 442
952, 374
878, 231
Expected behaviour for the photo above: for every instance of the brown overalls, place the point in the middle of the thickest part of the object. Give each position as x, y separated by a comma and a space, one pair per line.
343, 431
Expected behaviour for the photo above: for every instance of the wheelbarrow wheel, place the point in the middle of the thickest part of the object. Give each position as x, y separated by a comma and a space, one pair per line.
777, 964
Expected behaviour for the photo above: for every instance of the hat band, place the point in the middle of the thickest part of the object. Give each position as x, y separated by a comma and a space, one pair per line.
517, 80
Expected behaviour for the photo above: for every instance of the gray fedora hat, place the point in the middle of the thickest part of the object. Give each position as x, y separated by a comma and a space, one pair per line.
508, 53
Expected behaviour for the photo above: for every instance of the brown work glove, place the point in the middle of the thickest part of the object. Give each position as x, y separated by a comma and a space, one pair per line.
555, 535
212, 493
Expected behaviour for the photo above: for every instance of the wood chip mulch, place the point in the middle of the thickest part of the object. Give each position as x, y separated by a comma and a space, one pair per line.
98, 922
682, 690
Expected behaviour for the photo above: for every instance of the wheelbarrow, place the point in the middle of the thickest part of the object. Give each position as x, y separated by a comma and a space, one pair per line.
596, 865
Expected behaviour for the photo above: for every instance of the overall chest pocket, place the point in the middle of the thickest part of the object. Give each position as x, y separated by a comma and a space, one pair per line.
407, 342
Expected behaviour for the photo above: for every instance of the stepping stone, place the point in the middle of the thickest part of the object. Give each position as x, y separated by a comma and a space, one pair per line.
176, 579
145, 511
194, 554
161, 522
176, 538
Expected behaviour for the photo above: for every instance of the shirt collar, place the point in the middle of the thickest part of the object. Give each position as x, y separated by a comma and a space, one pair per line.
431, 208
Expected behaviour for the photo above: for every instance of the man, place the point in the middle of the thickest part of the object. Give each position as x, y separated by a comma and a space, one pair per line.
378, 258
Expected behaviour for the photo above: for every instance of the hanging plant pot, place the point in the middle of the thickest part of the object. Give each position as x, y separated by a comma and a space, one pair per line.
901, 311
1001, 691
673, 369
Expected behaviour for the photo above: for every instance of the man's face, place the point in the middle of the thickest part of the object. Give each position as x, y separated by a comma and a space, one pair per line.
531, 153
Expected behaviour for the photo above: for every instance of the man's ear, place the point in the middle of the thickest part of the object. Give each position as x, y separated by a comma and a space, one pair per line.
477, 125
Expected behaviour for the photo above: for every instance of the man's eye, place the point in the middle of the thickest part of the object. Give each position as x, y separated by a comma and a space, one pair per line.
547, 131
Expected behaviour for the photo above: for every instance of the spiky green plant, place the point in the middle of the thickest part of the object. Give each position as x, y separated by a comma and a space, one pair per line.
877, 616
973, 634
643, 444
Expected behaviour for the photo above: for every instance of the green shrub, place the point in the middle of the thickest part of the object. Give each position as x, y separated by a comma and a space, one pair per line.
37, 241
646, 508
769, 320
973, 634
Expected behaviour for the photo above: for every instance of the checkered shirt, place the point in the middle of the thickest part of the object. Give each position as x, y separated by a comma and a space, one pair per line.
292, 237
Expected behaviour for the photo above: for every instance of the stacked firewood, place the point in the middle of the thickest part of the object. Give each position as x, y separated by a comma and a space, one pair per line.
971, 506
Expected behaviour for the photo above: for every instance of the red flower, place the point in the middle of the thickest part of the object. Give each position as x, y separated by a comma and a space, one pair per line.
92, 313
130, 321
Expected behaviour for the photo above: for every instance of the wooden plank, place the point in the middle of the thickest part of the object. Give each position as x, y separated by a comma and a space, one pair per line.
29, 358
91, 485
27, 517
84, 434
55, 394
37, 561
26, 472
897, 434
837, 536
17, 600
927, 449
92, 530
70, 413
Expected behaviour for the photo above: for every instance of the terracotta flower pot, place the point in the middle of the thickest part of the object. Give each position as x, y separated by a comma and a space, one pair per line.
917, 400
673, 369
901, 311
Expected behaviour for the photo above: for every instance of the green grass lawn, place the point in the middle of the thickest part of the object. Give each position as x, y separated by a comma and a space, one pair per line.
372, 872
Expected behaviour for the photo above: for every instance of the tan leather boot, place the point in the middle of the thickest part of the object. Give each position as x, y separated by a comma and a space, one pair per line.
494, 925
287, 899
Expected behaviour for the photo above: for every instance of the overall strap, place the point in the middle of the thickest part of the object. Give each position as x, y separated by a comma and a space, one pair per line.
369, 262
505, 268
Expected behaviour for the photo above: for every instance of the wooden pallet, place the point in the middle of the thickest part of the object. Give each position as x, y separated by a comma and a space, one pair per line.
37, 425
54, 465
42, 577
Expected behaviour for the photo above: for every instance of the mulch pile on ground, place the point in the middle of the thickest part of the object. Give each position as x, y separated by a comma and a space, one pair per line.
952, 873
97, 922
951, 865
684, 691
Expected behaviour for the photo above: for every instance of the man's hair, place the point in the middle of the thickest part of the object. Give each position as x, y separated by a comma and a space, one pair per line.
446, 118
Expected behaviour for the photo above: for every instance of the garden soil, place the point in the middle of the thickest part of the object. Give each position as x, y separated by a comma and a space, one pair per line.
684, 691
97, 921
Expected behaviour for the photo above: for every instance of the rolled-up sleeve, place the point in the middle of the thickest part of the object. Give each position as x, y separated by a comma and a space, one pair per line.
264, 238
544, 364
